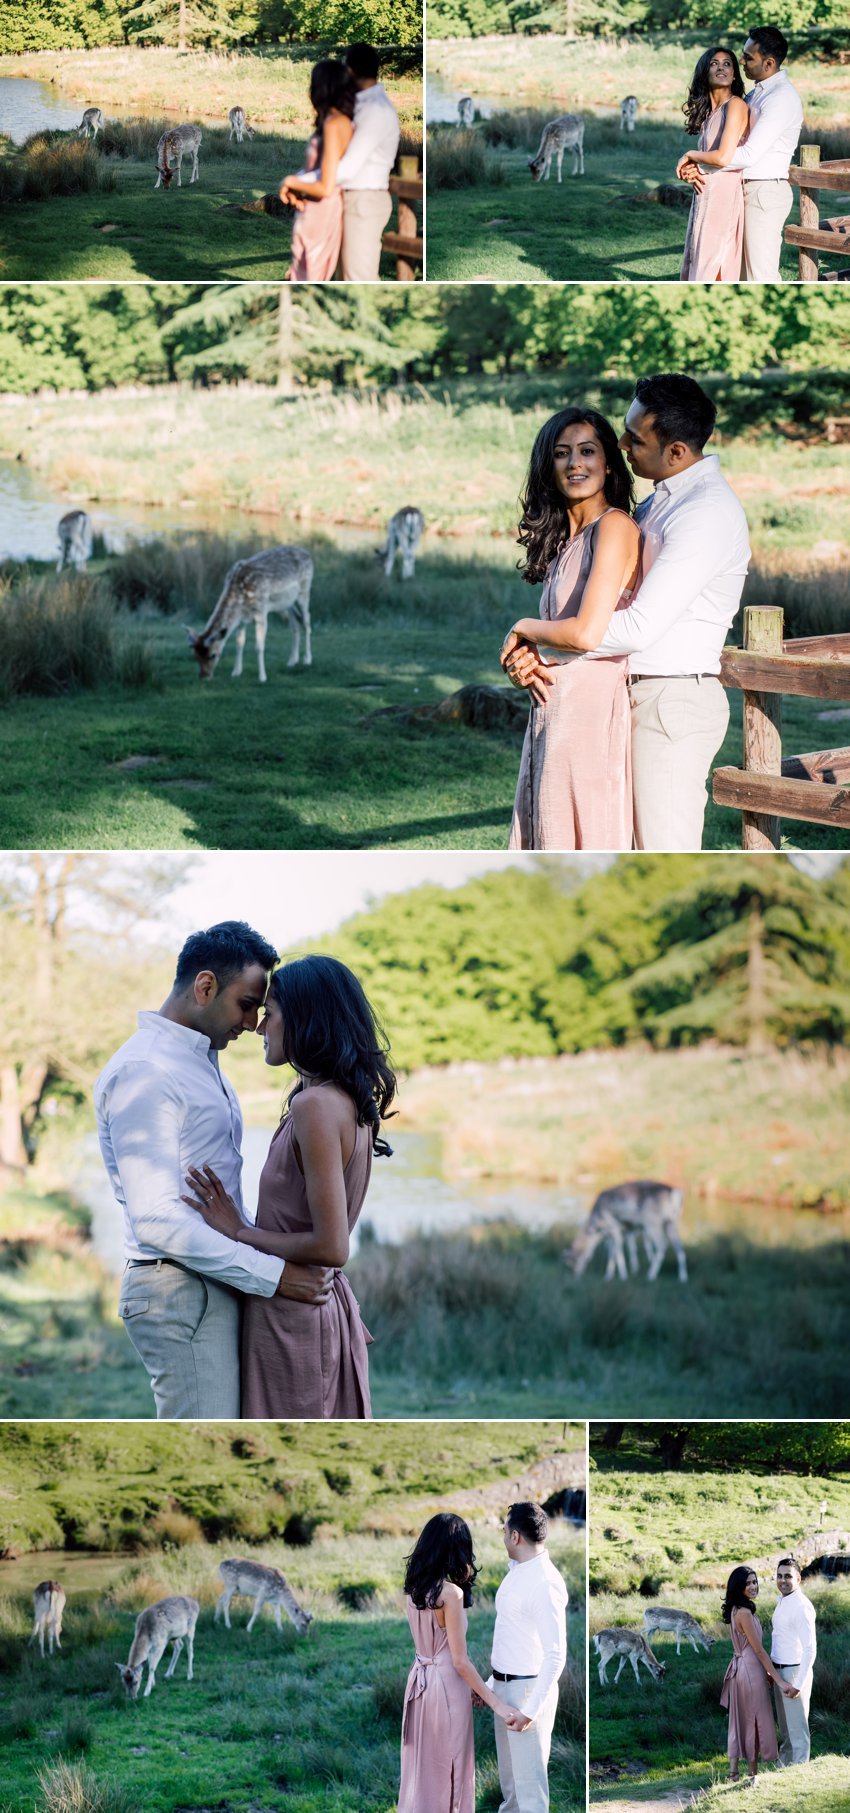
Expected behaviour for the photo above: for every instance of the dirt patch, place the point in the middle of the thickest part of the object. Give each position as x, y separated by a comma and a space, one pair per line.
132, 762
541, 1481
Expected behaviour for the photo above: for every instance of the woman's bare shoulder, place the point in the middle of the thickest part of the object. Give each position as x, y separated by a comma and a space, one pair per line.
321, 1107
450, 1591
618, 525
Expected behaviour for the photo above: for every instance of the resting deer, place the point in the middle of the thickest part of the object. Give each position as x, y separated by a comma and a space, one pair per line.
239, 124
48, 1602
75, 540
564, 134
620, 1216
404, 532
630, 1646
278, 580
91, 123
266, 1586
168, 1621
465, 110
170, 153
628, 113
669, 1617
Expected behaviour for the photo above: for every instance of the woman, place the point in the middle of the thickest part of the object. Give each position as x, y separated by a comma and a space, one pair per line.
302, 1359
317, 234
575, 786
716, 109
752, 1732
437, 1744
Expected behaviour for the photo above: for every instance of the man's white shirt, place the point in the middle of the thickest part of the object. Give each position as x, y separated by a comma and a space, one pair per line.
530, 1636
776, 121
368, 160
162, 1105
793, 1634
694, 559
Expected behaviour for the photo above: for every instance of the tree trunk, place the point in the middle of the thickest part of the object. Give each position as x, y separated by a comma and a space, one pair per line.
285, 337
13, 1155
181, 26
671, 1446
756, 980
613, 1435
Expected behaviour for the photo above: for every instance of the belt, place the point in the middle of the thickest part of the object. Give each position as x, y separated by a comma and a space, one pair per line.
498, 1676
765, 179
786, 1664
633, 677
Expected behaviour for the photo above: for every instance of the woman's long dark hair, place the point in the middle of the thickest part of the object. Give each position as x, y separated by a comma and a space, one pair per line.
330, 1032
331, 86
735, 1593
444, 1552
543, 521
698, 104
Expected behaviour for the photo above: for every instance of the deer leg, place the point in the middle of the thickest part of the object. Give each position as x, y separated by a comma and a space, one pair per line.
635, 1661
618, 1255
560, 162
276, 1610
632, 1251
175, 1656
239, 644
295, 634
656, 1258
190, 1644
154, 1658
41, 1640
305, 619
224, 1604
603, 1678
620, 1669
260, 626
258, 1603
681, 1256
195, 168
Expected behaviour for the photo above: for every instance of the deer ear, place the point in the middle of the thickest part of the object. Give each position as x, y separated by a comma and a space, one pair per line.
120, 1667
190, 634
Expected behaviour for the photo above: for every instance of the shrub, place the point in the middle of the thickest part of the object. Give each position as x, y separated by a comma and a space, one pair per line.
61, 635
357, 1595
181, 575
72, 1788
388, 1689
518, 128
50, 164
459, 159
76, 1734
174, 1529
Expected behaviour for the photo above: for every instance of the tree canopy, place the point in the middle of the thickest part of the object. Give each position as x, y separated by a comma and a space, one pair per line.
27, 25
576, 18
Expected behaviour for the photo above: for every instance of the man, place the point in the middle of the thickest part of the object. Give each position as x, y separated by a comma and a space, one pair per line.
528, 1657
776, 114
365, 168
693, 565
793, 1649
162, 1105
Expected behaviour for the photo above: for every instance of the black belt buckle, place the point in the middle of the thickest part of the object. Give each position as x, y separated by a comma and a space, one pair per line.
498, 1676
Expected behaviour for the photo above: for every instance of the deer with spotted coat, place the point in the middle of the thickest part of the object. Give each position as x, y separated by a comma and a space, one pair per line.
404, 532
640, 1210
266, 1586
278, 580
670, 1617
91, 123
630, 1646
48, 1602
628, 112
563, 134
239, 125
170, 1620
170, 152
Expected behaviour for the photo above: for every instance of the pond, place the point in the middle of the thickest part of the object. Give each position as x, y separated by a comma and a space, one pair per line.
408, 1194
83, 1572
441, 101
30, 510
27, 106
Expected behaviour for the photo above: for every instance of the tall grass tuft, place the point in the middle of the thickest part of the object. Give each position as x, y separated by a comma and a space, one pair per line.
61, 635
816, 602
51, 164
458, 159
181, 575
76, 1734
517, 129
72, 1788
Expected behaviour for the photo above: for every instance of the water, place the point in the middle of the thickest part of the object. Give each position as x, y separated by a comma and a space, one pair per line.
441, 101
83, 1573
27, 107
30, 510
408, 1194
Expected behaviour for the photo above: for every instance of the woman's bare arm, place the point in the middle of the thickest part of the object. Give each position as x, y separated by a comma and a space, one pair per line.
336, 137
616, 559
747, 1625
452, 1606
736, 123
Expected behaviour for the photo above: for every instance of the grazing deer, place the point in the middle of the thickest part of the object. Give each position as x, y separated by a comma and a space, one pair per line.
75, 540
278, 580
465, 110
628, 113
239, 124
266, 1586
668, 1617
91, 123
170, 152
48, 1602
641, 1209
630, 1646
168, 1621
404, 532
564, 134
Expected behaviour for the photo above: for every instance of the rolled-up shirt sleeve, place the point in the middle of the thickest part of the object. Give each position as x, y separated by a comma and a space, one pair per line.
675, 580
550, 1617
145, 1115
808, 1639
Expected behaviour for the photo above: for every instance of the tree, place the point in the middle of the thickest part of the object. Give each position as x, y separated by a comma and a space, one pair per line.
180, 22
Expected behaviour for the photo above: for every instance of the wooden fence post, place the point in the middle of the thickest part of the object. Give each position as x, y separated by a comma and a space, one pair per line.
809, 214
762, 723
407, 167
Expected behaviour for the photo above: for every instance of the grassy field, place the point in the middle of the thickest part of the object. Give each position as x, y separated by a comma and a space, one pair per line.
673, 1538
487, 1321
200, 232
293, 1724
341, 775
600, 225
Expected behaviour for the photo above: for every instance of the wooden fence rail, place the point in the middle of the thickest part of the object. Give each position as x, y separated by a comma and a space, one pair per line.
809, 176
813, 787
406, 243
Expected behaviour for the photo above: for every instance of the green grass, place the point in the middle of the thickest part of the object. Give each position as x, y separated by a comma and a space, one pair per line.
300, 1725
680, 1534
597, 226
315, 767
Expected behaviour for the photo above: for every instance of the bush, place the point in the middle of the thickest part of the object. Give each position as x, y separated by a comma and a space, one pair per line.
358, 1595
182, 575
60, 635
458, 159
174, 1529
72, 1788
388, 1689
50, 164
518, 129
815, 603
76, 1734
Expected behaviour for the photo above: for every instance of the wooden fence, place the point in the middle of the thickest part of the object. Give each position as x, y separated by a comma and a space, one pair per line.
809, 176
812, 787
406, 242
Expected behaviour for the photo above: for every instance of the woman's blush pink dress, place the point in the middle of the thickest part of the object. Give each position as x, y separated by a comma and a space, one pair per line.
575, 777
317, 233
746, 1696
437, 1742
715, 238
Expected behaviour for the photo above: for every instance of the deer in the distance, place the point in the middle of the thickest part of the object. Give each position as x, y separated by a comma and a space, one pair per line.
266, 1586
48, 1603
277, 581
170, 1620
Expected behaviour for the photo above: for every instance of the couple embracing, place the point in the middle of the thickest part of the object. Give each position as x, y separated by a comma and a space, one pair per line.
341, 197
627, 710
529, 1651
203, 1279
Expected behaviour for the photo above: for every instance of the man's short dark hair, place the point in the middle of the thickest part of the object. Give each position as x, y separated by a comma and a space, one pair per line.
226, 949
528, 1521
362, 60
790, 1561
681, 409
771, 42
